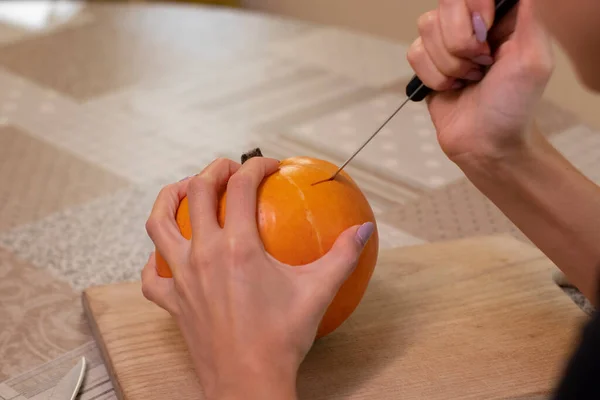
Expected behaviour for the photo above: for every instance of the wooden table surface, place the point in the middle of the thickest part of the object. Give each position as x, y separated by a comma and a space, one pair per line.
102, 104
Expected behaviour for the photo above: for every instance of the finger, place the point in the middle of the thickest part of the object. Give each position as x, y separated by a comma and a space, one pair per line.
486, 9
160, 291
464, 26
332, 270
242, 193
426, 70
162, 226
203, 196
430, 29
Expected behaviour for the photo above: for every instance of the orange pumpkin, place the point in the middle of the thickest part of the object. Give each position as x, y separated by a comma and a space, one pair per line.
298, 223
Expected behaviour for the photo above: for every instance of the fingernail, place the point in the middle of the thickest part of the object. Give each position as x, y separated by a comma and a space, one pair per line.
479, 27
474, 75
458, 85
187, 177
484, 60
364, 232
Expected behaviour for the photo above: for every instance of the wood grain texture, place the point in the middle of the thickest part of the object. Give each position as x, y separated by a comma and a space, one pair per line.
469, 319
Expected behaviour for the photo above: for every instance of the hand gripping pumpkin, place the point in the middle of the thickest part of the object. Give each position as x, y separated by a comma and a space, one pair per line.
298, 223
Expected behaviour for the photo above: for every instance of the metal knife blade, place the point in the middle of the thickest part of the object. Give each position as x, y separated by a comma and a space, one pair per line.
68, 387
417, 91
371, 137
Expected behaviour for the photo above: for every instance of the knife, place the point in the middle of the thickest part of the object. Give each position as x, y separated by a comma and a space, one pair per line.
417, 91
68, 387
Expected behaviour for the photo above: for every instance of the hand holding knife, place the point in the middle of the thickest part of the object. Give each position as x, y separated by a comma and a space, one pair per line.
417, 91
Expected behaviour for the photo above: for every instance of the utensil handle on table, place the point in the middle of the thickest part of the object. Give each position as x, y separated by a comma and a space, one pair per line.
422, 91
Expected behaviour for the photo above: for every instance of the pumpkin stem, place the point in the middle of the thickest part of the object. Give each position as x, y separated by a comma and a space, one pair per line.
251, 154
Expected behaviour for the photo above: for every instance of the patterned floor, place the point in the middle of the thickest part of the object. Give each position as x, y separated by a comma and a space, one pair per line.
97, 112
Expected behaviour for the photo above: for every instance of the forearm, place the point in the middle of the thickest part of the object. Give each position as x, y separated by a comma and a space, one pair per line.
550, 201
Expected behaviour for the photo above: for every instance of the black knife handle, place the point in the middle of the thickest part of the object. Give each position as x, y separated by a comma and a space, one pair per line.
502, 8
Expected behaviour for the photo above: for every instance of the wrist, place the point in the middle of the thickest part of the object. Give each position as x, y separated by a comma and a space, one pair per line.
255, 390
503, 163
260, 384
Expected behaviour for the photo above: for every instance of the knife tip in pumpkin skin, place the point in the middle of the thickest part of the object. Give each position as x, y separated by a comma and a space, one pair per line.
323, 181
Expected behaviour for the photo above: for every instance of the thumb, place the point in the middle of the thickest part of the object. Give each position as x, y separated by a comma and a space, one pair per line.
159, 290
483, 9
534, 46
530, 32
528, 27
332, 270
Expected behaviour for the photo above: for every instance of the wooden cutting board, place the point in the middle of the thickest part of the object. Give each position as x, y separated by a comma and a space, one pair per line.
470, 319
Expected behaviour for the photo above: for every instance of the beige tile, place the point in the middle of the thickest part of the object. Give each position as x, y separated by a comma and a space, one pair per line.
387, 18
87, 61
580, 144
391, 237
22, 20
208, 33
42, 112
456, 211
552, 119
41, 317
218, 102
271, 102
124, 45
398, 86
366, 59
11, 33
39, 179
128, 144
102, 241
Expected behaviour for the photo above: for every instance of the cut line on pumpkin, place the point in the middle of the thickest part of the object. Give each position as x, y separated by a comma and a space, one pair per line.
307, 212
323, 181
